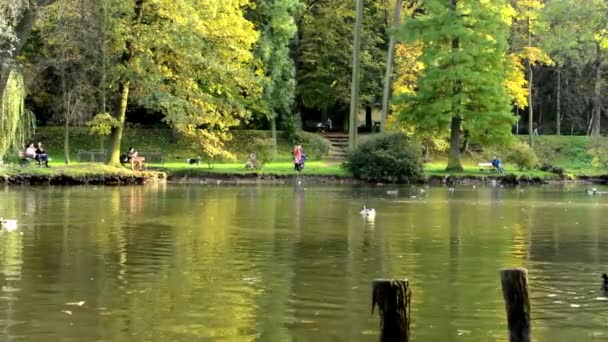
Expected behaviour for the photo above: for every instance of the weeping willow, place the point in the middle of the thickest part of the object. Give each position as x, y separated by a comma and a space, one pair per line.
16, 123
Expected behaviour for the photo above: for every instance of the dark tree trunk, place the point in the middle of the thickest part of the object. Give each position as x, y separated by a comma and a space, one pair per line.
596, 113
454, 163
393, 300
558, 114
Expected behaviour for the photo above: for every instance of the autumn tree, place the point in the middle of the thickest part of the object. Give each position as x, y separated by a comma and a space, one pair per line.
464, 47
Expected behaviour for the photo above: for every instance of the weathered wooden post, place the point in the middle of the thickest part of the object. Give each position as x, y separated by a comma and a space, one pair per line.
393, 300
515, 291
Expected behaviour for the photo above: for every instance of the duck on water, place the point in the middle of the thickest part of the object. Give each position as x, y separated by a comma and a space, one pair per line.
8, 224
368, 213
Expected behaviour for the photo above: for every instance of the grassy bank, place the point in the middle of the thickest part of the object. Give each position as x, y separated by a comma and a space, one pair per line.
569, 153
172, 146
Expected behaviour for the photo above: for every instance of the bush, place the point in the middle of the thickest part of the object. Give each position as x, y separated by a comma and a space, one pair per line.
553, 169
523, 156
598, 150
388, 157
264, 150
316, 147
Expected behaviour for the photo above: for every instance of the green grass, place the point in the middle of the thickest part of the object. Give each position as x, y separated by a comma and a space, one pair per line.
471, 169
568, 152
313, 168
76, 170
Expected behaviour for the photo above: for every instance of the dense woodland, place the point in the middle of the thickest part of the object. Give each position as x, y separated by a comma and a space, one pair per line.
464, 71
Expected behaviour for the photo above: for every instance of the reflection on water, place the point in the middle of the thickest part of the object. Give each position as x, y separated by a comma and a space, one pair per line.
294, 263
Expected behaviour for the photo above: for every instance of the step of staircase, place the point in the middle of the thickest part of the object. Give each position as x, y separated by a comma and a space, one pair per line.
338, 145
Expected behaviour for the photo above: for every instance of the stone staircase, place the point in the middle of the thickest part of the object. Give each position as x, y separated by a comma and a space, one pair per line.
338, 145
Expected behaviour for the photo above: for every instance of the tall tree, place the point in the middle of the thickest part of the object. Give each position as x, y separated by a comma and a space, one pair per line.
389, 62
354, 95
523, 44
276, 23
189, 59
65, 56
323, 54
464, 47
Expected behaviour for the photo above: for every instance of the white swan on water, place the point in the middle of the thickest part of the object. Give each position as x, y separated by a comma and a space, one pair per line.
8, 224
368, 213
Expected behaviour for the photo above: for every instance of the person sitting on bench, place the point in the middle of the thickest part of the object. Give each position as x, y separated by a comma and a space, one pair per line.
41, 155
30, 151
134, 159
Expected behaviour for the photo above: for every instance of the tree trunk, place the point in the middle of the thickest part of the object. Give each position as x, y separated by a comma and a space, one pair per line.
123, 93
596, 113
389, 65
116, 135
273, 128
530, 83
454, 163
558, 99
354, 96
66, 142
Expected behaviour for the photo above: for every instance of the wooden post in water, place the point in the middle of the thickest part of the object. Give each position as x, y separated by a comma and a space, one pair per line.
515, 291
393, 300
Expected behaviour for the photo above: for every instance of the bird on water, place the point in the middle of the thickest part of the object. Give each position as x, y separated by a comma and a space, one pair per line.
368, 213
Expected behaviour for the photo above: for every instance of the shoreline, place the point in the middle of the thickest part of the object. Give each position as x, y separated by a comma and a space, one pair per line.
147, 177
90, 179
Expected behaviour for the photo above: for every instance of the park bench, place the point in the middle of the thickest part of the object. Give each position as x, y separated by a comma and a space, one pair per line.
152, 157
486, 167
92, 156
23, 159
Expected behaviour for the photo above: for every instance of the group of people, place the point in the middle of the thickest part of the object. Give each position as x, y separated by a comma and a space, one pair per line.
299, 158
37, 153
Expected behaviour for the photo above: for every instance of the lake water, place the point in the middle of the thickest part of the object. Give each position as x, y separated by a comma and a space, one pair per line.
295, 263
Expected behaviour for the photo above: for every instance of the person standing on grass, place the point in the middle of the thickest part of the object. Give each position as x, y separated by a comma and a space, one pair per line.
497, 165
297, 158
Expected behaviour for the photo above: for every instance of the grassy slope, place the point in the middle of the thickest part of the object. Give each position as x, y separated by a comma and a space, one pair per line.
567, 152
76, 171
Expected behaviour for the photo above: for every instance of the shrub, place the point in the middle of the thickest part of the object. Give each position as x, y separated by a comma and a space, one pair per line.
523, 156
598, 150
553, 169
316, 147
264, 150
388, 157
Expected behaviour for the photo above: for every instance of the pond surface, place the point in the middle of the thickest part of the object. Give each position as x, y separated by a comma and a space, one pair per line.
295, 263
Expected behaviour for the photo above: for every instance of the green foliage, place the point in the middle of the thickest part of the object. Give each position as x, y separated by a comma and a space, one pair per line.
523, 156
324, 53
16, 123
275, 21
291, 125
387, 157
467, 82
598, 150
263, 149
102, 124
315, 146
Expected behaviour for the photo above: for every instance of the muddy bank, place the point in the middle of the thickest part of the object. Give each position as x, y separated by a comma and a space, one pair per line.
255, 178
62, 179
